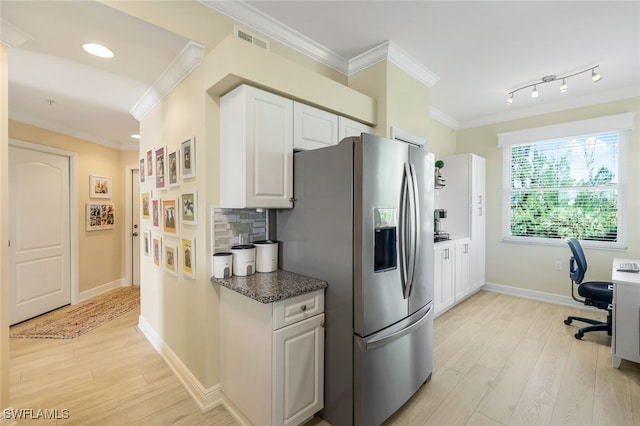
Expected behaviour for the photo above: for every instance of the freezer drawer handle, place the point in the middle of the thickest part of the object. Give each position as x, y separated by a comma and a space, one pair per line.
383, 340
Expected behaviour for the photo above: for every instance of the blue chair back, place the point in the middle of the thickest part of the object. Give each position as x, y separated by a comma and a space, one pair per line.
578, 266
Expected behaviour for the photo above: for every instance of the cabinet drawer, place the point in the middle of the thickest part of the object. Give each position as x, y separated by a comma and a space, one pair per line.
297, 308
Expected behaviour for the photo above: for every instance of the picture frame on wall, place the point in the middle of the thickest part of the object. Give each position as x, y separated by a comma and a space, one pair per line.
189, 208
171, 258
155, 212
100, 216
146, 244
99, 187
141, 170
149, 161
188, 157
145, 205
173, 166
188, 256
157, 250
169, 216
160, 162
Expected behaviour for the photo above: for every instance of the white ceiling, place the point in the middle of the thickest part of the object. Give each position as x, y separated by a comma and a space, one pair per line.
479, 51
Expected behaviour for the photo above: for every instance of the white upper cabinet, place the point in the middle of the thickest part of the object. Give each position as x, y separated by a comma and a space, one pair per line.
348, 127
313, 128
256, 149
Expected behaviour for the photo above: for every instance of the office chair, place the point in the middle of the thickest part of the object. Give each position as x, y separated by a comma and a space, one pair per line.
595, 293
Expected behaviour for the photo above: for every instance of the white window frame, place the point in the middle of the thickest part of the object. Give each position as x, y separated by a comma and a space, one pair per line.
622, 123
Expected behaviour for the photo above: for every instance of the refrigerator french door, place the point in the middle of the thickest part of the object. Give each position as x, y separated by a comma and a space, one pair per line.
362, 222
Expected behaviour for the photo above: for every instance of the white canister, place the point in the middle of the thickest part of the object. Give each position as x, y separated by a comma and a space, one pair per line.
222, 265
244, 259
266, 255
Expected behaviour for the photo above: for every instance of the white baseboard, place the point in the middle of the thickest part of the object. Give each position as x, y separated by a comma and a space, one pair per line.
205, 398
97, 291
540, 296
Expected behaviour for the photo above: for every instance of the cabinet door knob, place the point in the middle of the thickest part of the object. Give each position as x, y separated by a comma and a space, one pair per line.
303, 307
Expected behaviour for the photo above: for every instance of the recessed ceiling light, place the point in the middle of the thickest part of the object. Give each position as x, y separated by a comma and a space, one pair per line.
135, 136
97, 50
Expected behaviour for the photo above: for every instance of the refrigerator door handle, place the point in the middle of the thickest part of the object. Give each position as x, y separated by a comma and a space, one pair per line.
384, 340
402, 224
415, 227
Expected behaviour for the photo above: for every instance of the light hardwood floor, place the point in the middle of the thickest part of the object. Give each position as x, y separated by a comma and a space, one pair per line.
499, 360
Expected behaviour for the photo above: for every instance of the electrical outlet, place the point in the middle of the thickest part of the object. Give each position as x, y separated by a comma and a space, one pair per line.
558, 265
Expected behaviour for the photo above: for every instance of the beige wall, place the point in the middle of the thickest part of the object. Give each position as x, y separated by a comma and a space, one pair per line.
402, 101
184, 311
532, 266
442, 140
100, 252
4, 232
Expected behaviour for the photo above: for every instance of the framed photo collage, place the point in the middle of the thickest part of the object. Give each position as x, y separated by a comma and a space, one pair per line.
166, 212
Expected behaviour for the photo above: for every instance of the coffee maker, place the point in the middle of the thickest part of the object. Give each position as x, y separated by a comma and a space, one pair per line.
438, 233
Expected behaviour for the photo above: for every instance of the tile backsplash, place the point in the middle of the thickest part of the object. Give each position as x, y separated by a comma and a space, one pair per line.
235, 226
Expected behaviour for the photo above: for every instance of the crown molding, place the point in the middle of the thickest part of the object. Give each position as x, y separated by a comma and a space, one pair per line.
183, 65
256, 20
443, 118
73, 132
391, 52
13, 36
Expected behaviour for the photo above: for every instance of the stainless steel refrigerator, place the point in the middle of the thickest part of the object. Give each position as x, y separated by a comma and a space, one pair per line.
363, 221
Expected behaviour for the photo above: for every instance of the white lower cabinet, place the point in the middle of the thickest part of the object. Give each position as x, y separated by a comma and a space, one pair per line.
452, 280
299, 370
626, 322
444, 277
272, 357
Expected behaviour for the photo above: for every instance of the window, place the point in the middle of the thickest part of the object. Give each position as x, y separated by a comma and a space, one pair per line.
565, 186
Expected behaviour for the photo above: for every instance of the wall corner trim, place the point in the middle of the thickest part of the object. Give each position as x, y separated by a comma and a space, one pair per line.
183, 65
205, 398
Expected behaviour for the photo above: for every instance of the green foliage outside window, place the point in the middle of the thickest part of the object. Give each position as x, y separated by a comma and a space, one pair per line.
565, 188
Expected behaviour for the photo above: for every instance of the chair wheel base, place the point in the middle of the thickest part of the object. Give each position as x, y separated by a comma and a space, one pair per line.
579, 335
567, 321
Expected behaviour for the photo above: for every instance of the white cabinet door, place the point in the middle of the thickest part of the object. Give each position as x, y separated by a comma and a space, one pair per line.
478, 180
463, 269
478, 221
256, 149
313, 128
348, 127
298, 386
626, 321
444, 277
478, 246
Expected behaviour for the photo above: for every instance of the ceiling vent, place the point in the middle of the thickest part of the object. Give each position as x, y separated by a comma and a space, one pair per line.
247, 36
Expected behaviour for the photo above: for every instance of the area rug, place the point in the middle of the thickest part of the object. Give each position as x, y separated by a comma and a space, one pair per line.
86, 317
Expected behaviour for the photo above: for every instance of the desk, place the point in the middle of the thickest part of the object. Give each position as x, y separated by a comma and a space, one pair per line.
625, 341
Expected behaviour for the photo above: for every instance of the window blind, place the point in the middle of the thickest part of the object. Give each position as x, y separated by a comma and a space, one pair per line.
565, 187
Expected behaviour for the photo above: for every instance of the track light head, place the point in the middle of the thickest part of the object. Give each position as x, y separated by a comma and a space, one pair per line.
595, 76
534, 94
510, 99
563, 87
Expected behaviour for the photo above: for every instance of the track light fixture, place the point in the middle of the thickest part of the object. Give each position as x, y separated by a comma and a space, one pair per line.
549, 78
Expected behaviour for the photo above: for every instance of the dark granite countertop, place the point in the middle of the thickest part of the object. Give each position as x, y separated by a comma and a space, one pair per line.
271, 286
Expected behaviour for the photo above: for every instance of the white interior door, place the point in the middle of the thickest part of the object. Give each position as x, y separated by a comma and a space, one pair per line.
39, 223
135, 225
